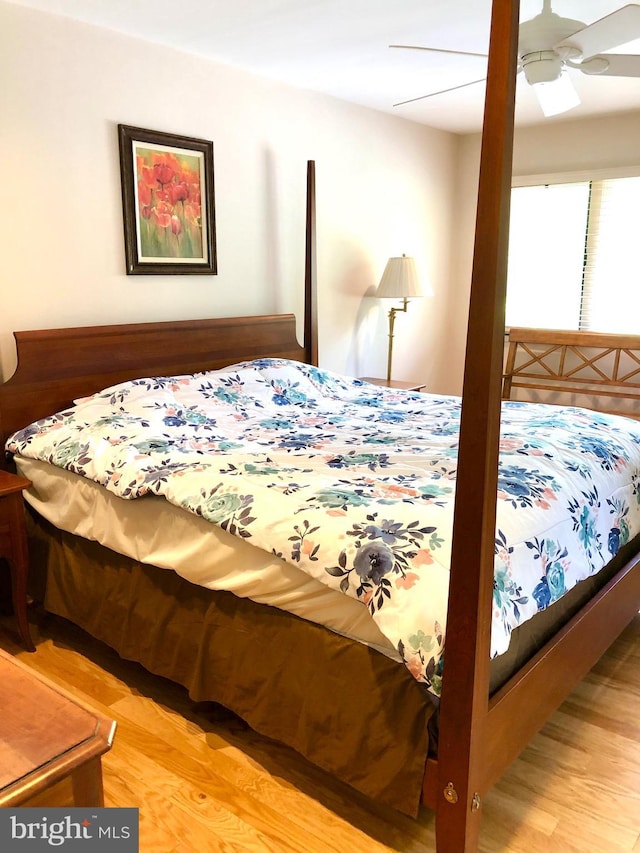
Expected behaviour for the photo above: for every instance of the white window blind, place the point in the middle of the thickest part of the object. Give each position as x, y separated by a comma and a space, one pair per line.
611, 289
546, 253
574, 256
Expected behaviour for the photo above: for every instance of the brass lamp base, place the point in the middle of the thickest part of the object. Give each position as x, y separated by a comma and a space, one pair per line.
392, 320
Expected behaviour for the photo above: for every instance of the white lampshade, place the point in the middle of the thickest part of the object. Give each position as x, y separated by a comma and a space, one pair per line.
399, 279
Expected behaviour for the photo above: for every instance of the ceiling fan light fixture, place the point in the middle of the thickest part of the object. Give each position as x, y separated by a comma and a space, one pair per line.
557, 96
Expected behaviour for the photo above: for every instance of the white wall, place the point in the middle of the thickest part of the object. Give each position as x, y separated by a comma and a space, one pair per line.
608, 142
577, 145
384, 186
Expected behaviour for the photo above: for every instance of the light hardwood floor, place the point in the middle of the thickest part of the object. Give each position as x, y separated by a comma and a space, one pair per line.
203, 781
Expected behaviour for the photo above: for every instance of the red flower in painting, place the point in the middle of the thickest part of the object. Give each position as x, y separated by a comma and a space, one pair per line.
144, 200
163, 173
148, 176
163, 219
178, 192
144, 193
162, 215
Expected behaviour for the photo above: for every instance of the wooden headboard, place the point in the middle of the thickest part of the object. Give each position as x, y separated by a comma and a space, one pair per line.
56, 366
587, 369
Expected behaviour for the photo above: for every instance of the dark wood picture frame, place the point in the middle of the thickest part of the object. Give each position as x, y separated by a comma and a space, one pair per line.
168, 203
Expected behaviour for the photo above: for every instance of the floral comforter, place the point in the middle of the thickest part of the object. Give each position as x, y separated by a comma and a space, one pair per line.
354, 484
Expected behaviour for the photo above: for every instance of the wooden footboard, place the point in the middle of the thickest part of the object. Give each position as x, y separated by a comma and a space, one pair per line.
587, 369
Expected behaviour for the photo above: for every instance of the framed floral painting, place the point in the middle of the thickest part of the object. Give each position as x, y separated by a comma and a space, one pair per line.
168, 202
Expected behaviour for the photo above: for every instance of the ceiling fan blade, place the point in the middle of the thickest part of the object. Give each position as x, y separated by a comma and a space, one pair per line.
611, 65
438, 50
441, 92
618, 28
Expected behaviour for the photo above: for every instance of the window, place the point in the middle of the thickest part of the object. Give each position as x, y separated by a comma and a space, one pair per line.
574, 256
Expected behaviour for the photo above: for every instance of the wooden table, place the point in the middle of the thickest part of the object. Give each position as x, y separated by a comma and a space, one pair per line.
47, 735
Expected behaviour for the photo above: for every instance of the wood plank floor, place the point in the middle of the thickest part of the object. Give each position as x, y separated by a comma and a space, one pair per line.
203, 781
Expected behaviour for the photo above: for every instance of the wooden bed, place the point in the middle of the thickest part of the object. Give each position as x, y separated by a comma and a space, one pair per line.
479, 734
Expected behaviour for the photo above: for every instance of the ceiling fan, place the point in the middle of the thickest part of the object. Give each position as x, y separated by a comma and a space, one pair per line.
549, 44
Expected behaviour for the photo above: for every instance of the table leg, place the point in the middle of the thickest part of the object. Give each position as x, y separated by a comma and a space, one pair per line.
86, 782
18, 559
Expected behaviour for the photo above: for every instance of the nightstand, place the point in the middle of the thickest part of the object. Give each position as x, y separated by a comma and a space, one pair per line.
395, 383
13, 547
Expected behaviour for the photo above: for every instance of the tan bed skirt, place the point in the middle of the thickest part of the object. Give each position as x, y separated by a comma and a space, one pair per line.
347, 708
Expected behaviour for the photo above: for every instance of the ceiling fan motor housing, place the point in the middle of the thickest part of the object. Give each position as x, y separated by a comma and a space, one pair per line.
540, 62
541, 66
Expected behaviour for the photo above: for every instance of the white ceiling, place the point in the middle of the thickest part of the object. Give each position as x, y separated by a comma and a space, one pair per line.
341, 48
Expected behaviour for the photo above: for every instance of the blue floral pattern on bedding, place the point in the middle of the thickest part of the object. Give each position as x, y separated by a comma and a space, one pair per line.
354, 484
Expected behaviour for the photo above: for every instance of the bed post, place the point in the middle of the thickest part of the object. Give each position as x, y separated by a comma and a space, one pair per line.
465, 693
310, 270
